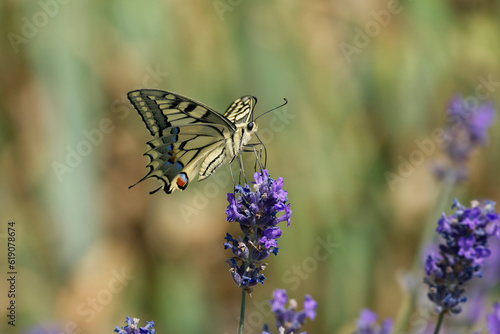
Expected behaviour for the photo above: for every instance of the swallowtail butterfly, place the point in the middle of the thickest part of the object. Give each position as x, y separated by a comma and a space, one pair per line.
190, 138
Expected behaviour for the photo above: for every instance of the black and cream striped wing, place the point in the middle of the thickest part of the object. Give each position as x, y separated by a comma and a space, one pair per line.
161, 110
189, 138
240, 111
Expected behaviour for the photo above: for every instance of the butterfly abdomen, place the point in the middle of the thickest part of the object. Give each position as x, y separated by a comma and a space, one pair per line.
213, 161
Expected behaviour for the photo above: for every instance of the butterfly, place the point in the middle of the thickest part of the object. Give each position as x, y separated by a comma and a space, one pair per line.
190, 138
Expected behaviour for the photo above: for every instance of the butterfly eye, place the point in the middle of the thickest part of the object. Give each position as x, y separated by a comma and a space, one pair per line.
250, 126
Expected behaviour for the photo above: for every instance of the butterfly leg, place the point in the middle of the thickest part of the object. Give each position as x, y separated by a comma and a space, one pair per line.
262, 148
258, 154
232, 176
240, 165
265, 150
258, 158
242, 169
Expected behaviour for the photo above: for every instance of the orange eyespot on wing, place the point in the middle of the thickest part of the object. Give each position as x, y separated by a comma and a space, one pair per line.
182, 181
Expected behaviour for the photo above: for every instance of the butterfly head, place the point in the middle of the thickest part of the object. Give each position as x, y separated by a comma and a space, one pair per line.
246, 132
251, 127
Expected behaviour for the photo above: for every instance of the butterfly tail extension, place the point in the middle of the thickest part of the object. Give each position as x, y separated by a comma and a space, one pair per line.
144, 178
165, 167
169, 170
171, 179
175, 163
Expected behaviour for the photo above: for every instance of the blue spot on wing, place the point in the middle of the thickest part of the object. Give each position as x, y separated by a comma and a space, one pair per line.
165, 149
177, 165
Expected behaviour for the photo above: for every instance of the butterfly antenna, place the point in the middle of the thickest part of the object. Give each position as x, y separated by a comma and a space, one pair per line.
282, 105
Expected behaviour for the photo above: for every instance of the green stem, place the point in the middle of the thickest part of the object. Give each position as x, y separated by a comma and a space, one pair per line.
430, 226
242, 312
408, 303
440, 320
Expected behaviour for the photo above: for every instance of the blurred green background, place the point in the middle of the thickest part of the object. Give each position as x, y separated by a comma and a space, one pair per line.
364, 80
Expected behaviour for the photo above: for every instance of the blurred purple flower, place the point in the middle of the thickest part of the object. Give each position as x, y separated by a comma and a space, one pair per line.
467, 129
462, 254
491, 272
45, 329
367, 323
132, 327
493, 320
257, 213
288, 320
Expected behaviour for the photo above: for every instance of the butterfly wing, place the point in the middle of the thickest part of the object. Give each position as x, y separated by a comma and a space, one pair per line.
240, 111
189, 137
161, 110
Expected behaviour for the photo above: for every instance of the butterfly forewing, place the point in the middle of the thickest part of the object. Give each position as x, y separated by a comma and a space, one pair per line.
161, 110
240, 111
188, 137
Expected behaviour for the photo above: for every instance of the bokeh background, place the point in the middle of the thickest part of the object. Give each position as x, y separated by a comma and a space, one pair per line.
90, 251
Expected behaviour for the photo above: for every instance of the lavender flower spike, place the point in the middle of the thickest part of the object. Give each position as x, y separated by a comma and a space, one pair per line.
132, 327
288, 320
367, 323
466, 129
257, 213
461, 256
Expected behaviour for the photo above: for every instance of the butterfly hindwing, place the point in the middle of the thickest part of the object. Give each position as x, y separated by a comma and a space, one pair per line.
175, 160
189, 138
